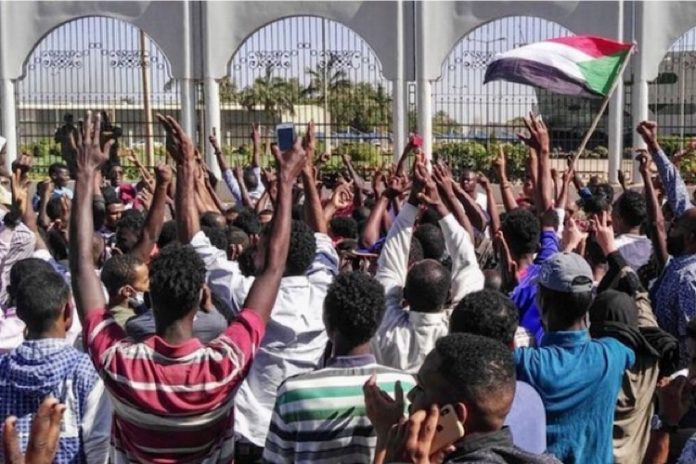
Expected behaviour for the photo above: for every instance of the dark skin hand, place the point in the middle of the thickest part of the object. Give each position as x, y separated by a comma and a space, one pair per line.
43, 437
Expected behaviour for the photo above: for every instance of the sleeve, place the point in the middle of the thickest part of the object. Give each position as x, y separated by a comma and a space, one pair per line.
392, 264
21, 246
281, 436
686, 300
466, 275
100, 334
260, 189
677, 193
224, 278
548, 246
232, 185
96, 424
239, 344
326, 259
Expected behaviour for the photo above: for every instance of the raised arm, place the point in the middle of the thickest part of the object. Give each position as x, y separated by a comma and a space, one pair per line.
446, 185
499, 165
372, 229
314, 214
538, 141
675, 188
256, 144
155, 215
87, 288
263, 292
492, 203
656, 220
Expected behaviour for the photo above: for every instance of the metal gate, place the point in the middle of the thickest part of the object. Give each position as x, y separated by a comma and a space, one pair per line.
96, 63
466, 110
308, 68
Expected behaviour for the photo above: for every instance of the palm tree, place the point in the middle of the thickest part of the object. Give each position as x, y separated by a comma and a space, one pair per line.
228, 90
382, 101
273, 93
326, 79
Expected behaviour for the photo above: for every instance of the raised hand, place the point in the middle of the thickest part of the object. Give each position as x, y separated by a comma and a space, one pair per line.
178, 143
90, 155
603, 232
499, 163
290, 162
343, 196
538, 134
483, 181
212, 138
443, 179
429, 193
509, 266
255, 135
43, 438
643, 164
163, 174
20, 180
648, 131
410, 441
622, 179
383, 410
572, 235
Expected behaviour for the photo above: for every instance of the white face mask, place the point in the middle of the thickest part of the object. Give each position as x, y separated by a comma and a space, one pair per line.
137, 301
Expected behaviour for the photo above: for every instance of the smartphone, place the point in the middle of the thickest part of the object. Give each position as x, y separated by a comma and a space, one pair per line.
286, 135
449, 429
417, 140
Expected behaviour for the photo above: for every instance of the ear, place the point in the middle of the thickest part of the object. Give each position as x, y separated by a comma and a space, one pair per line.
68, 315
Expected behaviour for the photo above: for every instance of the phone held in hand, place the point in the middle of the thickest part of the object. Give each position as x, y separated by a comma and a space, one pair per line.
417, 140
285, 133
449, 429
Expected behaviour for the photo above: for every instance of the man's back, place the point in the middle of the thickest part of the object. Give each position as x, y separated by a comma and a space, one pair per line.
578, 380
320, 416
50, 367
172, 403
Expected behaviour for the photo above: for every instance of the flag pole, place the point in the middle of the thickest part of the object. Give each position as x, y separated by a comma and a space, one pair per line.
605, 103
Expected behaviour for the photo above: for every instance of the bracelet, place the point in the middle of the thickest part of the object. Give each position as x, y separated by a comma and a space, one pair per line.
506, 185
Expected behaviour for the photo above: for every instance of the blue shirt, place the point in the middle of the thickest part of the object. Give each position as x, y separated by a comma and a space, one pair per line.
527, 419
578, 379
524, 294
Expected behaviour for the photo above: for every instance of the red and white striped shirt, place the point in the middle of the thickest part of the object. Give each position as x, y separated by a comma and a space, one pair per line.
172, 403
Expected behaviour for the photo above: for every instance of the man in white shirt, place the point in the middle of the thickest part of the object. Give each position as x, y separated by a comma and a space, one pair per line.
628, 213
408, 332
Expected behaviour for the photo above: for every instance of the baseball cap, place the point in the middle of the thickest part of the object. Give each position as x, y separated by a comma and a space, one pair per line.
567, 273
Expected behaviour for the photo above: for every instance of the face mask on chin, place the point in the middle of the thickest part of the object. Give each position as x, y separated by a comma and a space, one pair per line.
137, 302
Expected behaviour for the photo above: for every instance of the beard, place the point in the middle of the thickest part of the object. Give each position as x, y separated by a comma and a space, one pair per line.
675, 245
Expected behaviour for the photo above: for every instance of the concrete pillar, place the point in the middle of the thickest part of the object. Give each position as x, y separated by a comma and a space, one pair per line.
639, 112
9, 119
188, 107
425, 119
398, 102
616, 112
212, 119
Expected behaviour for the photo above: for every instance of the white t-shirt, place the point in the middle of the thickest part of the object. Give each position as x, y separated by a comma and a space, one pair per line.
635, 249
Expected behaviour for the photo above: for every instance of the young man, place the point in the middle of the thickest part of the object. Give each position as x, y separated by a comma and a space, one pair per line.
173, 396
126, 279
45, 365
578, 378
476, 376
409, 331
628, 214
296, 336
304, 426
491, 314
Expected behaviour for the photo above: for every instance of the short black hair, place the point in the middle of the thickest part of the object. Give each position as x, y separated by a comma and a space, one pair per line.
354, 306
167, 234
236, 236
53, 208
217, 237
211, 219
177, 275
632, 208
119, 270
430, 216
487, 313
55, 167
522, 231
345, 227
567, 307
298, 212
427, 286
361, 214
477, 367
601, 199
432, 240
415, 251
24, 268
40, 298
248, 221
303, 249
251, 180
131, 219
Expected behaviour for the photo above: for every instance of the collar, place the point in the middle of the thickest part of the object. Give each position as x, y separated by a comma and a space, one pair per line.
477, 441
158, 344
568, 338
42, 346
359, 360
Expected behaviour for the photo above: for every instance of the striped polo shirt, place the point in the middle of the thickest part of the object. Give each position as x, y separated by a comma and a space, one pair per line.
320, 416
172, 403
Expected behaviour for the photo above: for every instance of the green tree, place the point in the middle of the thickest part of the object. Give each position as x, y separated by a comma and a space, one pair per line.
275, 94
326, 79
228, 90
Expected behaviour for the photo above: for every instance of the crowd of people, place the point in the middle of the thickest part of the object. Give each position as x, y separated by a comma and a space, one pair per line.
399, 316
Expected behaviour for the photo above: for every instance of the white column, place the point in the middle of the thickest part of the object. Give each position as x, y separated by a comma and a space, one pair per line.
616, 113
639, 112
425, 119
188, 108
212, 119
398, 103
9, 121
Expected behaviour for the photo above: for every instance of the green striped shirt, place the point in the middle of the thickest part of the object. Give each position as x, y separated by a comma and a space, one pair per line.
320, 416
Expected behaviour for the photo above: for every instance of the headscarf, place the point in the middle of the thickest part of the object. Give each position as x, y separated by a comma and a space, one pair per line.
614, 314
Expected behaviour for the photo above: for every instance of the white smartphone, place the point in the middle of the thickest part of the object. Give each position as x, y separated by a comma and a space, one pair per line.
449, 429
285, 134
